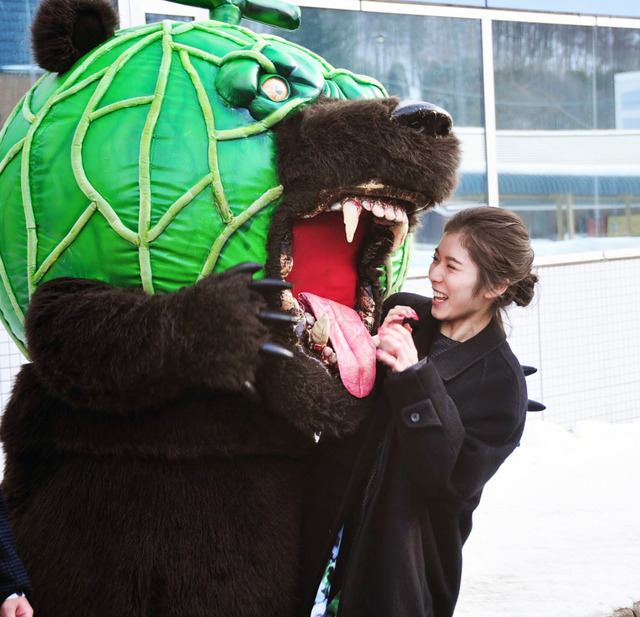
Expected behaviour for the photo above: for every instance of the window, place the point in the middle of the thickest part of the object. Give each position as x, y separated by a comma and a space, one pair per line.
567, 163
435, 59
17, 70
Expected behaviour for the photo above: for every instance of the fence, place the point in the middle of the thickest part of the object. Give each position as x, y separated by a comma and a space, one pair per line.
582, 332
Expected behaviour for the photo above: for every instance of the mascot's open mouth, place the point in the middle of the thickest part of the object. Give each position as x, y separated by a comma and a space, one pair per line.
328, 256
354, 173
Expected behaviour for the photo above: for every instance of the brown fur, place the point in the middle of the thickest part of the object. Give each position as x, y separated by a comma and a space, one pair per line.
332, 146
65, 30
139, 479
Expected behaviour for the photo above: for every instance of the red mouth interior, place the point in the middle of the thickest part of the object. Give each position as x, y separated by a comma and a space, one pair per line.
324, 263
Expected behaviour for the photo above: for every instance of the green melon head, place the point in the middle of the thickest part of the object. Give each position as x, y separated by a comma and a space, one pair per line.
151, 161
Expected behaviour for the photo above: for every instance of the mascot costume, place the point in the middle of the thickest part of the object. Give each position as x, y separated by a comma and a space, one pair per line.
156, 442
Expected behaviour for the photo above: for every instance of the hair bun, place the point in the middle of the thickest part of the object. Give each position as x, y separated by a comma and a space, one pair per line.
524, 290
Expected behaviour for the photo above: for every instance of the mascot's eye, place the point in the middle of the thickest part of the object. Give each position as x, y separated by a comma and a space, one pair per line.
276, 88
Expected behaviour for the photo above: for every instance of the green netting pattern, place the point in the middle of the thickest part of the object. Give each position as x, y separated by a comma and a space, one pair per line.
99, 70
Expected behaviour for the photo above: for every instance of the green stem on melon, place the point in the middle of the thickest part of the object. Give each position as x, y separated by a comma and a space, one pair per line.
51, 259
260, 127
10, 293
262, 202
28, 115
392, 287
158, 229
144, 171
146, 273
198, 53
219, 197
249, 54
218, 31
13, 152
19, 344
137, 101
81, 85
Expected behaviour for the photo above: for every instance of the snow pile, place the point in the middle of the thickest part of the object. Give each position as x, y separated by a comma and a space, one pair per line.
557, 533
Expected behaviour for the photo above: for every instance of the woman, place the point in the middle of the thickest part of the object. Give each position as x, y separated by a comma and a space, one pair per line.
453, 408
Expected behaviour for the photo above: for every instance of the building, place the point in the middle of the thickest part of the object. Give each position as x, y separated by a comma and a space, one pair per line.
545, 96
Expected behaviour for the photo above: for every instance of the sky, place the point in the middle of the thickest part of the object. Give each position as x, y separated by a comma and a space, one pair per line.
557, 532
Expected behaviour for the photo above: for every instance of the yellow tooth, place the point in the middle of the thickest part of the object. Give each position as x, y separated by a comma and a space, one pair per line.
319, 334
351, 216
399, 234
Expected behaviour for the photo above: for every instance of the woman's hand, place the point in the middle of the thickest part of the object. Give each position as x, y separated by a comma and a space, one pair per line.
396, 348
16, 607
397, 315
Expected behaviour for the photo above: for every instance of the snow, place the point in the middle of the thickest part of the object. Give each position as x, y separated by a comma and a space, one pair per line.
557, 532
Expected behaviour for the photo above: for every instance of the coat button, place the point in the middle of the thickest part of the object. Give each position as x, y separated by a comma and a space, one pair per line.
415, 417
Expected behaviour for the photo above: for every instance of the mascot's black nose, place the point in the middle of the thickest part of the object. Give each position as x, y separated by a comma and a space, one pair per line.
423, 117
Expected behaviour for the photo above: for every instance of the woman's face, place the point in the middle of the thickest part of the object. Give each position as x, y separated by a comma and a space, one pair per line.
454, 278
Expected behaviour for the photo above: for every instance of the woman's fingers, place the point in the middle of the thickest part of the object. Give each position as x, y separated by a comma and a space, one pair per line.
397, 349
397, 314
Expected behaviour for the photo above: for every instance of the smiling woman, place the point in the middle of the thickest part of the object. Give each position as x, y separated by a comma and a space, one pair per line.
452, 410
487, 257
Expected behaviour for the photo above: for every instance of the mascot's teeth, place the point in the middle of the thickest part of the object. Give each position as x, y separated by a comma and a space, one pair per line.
319, 334
330, 355
287, 300
351, 215
399, 234
386, 214
377, 209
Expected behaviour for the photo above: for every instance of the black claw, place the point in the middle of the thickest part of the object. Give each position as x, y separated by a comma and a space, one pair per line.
275, 350
250, 392
535, 406
247, 266
529, 370
277, 318
265, 286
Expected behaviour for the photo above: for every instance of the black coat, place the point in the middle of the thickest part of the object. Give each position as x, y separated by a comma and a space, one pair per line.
441, 430
139, 480
13, 578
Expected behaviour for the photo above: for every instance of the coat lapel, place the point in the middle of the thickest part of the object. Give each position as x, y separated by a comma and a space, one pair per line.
455, 361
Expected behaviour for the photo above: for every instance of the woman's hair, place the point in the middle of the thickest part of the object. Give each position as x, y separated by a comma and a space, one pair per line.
499, 244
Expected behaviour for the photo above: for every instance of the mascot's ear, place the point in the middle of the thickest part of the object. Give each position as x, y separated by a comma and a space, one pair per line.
65, 30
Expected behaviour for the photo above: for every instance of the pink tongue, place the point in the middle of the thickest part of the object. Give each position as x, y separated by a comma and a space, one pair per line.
350, 340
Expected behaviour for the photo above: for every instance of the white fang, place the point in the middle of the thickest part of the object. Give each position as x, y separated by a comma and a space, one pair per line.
351, 215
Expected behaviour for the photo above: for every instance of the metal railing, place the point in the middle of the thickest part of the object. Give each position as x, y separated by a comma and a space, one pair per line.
582, 332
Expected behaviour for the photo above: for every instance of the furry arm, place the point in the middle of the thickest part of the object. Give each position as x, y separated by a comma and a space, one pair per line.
112, 349
313, 400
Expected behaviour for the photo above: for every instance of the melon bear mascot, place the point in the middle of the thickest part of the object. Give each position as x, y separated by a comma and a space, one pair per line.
199, 225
